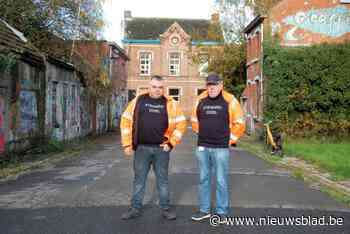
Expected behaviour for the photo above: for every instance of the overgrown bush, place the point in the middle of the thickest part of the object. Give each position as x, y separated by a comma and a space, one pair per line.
308, 89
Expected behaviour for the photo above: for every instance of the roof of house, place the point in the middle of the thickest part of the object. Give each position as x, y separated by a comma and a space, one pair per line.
120, 50
151, 28
12, 40
255, 22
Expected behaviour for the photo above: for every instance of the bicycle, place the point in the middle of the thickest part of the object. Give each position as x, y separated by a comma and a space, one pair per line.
274, 140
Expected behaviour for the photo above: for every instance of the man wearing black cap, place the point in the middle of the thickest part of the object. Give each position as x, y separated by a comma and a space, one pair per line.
218, 120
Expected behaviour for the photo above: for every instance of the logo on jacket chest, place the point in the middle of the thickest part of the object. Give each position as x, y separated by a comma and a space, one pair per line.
154, 108
212, 109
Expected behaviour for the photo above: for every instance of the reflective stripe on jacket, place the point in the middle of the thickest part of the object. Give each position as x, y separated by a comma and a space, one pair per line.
176, 123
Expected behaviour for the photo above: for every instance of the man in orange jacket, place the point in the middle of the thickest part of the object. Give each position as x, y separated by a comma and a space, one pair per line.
217, 118
151, 126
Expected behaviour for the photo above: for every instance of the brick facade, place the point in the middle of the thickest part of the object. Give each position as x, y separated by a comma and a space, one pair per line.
173, 39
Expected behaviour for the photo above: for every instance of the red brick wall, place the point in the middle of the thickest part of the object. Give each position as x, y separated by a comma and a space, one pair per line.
253, 90
188, 81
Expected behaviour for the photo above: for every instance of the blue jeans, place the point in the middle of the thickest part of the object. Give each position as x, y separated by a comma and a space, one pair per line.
217, 159
144, 157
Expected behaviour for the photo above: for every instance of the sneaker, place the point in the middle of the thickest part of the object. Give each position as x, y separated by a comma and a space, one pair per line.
131, 213
223, 218
200, 216
168, 214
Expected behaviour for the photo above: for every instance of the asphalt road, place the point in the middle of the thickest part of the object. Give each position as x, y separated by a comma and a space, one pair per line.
88, 194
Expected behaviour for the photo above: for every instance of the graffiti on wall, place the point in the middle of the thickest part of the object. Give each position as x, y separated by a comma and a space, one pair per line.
85, 117
119, 102
2, 130
333, 22
102, 117
28, 111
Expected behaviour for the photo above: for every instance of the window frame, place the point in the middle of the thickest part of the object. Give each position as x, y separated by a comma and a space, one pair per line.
149, 63
178, 96
178, 68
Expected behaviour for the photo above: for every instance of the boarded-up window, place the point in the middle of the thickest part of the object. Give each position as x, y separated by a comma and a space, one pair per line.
28, 111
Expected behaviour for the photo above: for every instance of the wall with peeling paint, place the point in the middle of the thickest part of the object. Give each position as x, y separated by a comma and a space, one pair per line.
85, 117
62, 103
2, 124
118, 103
101, 117
22, 108
306, 22
5, 87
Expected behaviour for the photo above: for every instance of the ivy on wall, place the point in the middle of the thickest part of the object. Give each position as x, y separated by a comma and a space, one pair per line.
7, 62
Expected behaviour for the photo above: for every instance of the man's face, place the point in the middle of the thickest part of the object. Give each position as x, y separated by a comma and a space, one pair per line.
156, 88
214, 89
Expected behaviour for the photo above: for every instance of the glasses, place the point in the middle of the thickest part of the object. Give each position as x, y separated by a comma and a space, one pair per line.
157, 87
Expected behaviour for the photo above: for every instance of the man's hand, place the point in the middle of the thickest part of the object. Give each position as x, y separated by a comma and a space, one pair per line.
128, 151
232, 146
165, 147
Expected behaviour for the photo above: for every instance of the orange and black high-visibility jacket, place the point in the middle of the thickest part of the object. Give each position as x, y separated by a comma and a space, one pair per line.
236, 118
173, 134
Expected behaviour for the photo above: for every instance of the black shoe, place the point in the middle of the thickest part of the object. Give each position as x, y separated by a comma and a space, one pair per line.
223, 218
200, 216
168, 214
131, 213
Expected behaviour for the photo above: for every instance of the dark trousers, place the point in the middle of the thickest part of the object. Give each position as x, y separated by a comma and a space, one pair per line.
144, 157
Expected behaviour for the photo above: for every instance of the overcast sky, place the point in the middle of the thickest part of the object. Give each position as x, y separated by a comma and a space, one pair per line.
114, 11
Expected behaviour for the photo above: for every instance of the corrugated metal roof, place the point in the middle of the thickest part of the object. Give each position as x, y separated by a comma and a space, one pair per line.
13, 40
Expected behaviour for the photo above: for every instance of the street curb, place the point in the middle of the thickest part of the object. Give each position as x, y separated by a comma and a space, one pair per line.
314, 176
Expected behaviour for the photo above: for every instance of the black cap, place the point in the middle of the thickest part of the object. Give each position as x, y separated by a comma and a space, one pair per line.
213, 79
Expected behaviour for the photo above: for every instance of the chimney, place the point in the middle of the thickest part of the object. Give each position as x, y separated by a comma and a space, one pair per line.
127, 15
124, 22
